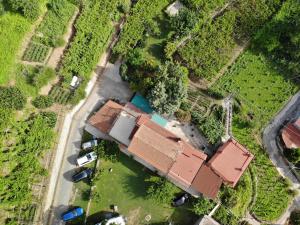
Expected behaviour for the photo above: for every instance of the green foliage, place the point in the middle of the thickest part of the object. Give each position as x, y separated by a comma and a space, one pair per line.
203, 5
170, 88
124, 7
34, 137
36, 52
50, 118
224, 216
11, 98
89, 41
134, 29
294, 218
54, 24
28, 8
293, 155
279, 40
183, 116
108, 150
203, 206
213, 41
13, 28
160, 190
184, 22
42, 101
60, 94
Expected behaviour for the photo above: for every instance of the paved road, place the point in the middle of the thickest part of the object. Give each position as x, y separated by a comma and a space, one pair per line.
290, 111
108, 86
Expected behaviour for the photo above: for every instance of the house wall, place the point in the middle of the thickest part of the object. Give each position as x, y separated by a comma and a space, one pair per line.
97, 133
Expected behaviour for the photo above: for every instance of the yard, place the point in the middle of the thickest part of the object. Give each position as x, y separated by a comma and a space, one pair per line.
125, 187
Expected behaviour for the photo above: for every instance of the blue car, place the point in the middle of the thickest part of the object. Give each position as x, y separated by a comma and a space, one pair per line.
72, 214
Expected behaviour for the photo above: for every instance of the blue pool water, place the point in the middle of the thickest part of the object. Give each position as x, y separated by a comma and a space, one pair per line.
140, 102
159, 120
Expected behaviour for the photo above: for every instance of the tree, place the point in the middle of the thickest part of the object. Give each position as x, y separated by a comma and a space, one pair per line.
11, 98
295, 218
184, 22
293, 155
161, 190
170, 89
42, 101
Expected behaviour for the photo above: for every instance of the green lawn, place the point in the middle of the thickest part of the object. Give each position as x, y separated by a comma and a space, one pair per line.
126, 188
154, 45
13, 29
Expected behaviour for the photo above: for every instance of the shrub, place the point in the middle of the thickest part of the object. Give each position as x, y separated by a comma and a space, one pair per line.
12, 98
29, 8
293, 155
183, 116
42, 101
50, 118
160, 190
108, 150
203, 206
295, 218
124, 7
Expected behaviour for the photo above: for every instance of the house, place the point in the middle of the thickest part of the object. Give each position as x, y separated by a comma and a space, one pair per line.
290, 135
151, 144
173, 9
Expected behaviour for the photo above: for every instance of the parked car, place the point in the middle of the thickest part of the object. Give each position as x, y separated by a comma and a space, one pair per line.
83, 174
89, 144
90, 157
119, 220
180, 200
72, 214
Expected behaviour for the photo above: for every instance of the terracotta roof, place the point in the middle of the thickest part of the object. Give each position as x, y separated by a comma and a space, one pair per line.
161, 149
187, 164
105, 117
291, 136
207, 182
230, 161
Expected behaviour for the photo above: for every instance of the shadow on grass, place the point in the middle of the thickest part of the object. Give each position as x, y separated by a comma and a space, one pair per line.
99, 216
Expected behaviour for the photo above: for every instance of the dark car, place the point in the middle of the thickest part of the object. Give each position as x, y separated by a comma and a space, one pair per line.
180, 200
72, 214
82, 175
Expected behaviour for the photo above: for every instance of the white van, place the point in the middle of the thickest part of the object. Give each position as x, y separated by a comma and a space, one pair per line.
90, 157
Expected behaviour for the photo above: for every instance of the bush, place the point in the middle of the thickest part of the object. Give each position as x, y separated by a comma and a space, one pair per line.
295, 218
42, 102
29, 8
12, 98
108, 150
124, 7
183, 116
293, 155
50, 118
203, 206
160, 190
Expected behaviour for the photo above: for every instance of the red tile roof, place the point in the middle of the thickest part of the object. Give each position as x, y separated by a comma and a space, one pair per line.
230, 162
207, 182
166, 152
105, 117
291, 136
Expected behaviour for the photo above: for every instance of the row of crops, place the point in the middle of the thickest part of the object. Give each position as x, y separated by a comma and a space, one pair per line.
50, 32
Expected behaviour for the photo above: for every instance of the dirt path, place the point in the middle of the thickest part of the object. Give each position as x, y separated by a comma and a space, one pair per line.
47, 88
57, 53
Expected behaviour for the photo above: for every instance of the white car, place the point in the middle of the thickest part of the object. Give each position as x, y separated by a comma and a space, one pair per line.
89, 144
120, 220
90, 157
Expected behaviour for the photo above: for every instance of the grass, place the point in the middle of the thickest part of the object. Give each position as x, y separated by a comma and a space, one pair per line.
125, 187
13, 29
154, 45
261, 91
